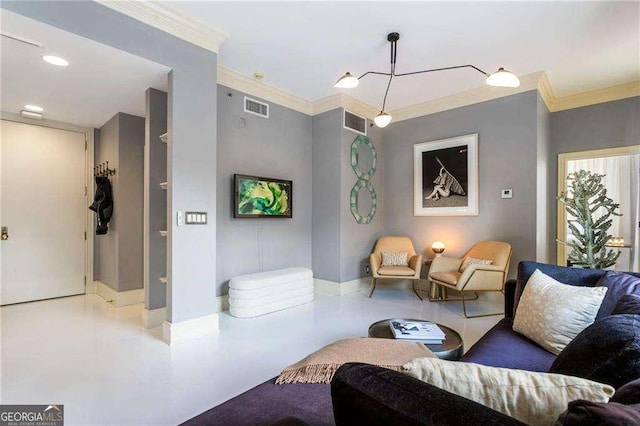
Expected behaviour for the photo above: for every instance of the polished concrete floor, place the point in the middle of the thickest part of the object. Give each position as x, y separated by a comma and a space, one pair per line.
105, 368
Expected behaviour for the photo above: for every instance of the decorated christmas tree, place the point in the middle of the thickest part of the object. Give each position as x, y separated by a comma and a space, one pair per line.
587, 203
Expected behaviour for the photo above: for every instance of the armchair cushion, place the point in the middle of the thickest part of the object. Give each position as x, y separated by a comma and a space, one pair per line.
473, 261
392, 258
450, 278
398, 271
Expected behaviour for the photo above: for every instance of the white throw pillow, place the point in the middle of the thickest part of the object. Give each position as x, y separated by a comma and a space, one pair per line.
473, 261
552, 314
531, 397
391, 258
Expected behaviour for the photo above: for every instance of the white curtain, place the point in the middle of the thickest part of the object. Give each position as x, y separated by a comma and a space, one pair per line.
622, 180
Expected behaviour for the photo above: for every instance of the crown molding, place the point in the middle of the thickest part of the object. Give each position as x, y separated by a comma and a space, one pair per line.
469, 97
343, 100
235, 80
607, 94
546, 91
535, 81
170, 21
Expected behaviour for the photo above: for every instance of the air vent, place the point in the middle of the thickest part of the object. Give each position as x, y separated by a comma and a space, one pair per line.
355, 123
256, 107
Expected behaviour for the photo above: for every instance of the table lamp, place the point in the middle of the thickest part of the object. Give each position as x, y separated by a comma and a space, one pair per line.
437, 247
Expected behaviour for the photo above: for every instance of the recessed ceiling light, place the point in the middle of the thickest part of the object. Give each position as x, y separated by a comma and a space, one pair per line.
55, 60
34, 108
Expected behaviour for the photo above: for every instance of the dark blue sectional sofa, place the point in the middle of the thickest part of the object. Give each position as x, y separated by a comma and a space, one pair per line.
364, 394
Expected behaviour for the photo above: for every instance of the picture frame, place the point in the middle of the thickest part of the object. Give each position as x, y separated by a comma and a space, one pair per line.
445, 177
257, 197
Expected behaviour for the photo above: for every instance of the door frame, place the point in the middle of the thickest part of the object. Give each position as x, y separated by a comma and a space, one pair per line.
561, 257
88, 174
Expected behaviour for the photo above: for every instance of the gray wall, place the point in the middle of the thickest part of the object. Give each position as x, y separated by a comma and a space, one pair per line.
277, 147
156, 199
341, 246
130, 199
118, 254
606, 125
106, 246
357, 240
326, 229
507, 129
544, 222
192, 138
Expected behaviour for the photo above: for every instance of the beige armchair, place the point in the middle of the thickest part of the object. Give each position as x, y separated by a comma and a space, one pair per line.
395, 245
447, 272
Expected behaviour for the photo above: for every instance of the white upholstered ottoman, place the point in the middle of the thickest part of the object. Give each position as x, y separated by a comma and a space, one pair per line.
258, 294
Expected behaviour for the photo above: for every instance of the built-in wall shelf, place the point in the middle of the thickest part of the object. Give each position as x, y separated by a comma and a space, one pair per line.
163, 280
163, 185
163, 137
163, 233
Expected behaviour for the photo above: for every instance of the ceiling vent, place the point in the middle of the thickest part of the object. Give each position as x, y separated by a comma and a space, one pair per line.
255, 107
355, 123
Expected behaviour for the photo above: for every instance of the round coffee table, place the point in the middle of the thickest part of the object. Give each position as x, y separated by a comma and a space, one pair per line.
452, 348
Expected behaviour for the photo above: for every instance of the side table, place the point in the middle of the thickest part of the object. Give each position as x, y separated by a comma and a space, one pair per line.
451, 349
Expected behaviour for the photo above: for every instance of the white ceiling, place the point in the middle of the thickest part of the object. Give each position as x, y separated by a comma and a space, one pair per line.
303, 47
99, 81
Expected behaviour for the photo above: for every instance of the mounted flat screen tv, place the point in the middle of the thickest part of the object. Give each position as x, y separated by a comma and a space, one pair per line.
262, 197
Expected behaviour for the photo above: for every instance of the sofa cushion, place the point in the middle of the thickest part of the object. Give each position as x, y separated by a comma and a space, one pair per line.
608, 351
531, 397
552, 313
523, 354
587, 413
569, 276
363, 394
628, 394
627, 304
618, 284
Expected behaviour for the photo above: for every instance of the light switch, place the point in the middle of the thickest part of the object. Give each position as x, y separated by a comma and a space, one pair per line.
196, 218
507, 193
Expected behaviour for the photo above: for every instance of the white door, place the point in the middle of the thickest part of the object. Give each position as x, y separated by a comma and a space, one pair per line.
42, 206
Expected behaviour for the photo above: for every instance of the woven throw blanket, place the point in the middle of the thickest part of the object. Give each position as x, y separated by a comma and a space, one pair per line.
320, 366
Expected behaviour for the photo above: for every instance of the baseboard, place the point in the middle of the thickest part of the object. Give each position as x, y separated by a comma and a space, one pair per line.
341, 289
119, 298
153, 317
173, 333
91, 288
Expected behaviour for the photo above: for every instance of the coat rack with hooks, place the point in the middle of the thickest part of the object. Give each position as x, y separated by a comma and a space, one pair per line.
103, 170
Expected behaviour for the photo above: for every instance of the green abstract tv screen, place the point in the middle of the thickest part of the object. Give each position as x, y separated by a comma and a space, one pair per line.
262, 197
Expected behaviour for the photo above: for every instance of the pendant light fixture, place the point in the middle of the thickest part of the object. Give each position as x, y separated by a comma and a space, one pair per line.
500, 78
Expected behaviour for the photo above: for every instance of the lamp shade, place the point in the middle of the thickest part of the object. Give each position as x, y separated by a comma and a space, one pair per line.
437, 247
382, 120
503, 78
347, 81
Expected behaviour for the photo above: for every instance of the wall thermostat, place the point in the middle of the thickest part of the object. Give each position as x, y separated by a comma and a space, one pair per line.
507, 193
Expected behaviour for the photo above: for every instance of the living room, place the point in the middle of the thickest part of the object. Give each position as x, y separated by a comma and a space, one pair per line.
572, 98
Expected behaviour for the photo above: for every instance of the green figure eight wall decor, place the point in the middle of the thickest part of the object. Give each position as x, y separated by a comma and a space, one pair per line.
364, 177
